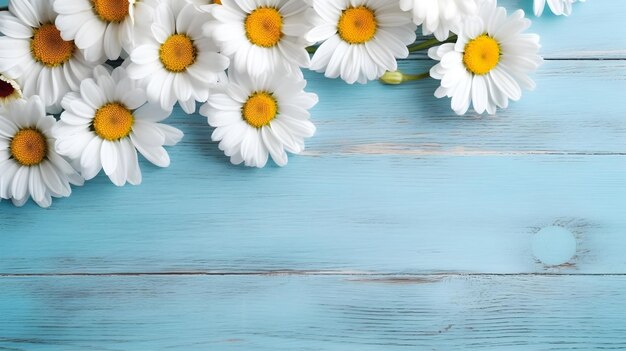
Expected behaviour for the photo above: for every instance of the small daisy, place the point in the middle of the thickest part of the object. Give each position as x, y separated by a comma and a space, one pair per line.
9, 90
29, 166
102, 28
257, 116
361, 38
439, 17
261, 36
107, 122
33, 52
490, 62
178, 63
558, 7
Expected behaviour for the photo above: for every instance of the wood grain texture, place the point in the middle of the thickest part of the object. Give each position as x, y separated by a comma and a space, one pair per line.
396, 185
444, 313
576, 109
377, 238
373, 213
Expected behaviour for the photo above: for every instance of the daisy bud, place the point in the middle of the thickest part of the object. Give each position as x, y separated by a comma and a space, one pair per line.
392, 78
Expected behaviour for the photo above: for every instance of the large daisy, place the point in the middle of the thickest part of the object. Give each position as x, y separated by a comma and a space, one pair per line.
558, 7
33, 52
102, 28
261, 36
257, 116
107, 122
29, 165
490, 62
439, 17
178, 63
361, 39
9, 90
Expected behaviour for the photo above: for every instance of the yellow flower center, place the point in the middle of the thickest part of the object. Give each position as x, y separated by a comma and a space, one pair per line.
49, 48
29, 147
111, 10
113, 121
264, 27
6, 89
177, 53
217, 2
481, 55
357, 25
260, 109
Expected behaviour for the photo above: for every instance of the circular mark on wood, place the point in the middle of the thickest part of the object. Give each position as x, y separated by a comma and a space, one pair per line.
554, 245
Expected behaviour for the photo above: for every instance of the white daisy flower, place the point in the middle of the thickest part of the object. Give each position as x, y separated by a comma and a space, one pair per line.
261, 36
29, 166
490, 62
102, 28
361, 38
439, 17
178, 63
558, 7
9, 90
107, 122
33, 52
257, 116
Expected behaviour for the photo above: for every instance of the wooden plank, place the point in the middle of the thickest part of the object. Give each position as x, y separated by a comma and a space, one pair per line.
313, 313
378, 213
577, 108
387, 185
594, 30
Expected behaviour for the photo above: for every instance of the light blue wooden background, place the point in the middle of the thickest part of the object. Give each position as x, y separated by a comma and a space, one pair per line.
403, 226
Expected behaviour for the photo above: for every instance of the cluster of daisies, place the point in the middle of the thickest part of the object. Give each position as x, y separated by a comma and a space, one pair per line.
113, 70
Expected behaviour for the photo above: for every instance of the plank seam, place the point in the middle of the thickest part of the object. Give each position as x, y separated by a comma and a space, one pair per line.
309, 273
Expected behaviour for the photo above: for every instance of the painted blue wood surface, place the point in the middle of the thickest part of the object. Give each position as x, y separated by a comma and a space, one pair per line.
336, 313
399, 185
384, 235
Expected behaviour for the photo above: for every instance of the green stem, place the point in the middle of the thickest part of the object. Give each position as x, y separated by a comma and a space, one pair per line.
412, 48
430, 43
414, 77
